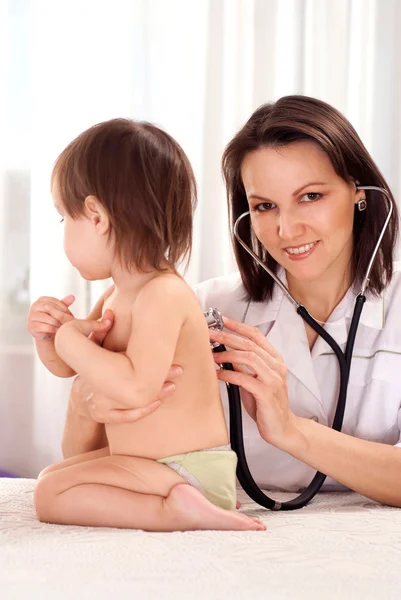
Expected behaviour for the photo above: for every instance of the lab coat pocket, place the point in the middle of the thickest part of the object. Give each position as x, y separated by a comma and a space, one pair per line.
384, 365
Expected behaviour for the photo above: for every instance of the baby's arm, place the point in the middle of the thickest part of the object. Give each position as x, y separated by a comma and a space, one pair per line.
133, 380
45, 318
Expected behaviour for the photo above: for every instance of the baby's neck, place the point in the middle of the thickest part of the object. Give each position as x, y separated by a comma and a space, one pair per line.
133, 280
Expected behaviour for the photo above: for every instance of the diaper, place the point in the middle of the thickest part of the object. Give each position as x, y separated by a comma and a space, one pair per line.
211, 471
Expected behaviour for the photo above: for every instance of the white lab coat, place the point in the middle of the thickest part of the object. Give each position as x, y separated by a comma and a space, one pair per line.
374, 390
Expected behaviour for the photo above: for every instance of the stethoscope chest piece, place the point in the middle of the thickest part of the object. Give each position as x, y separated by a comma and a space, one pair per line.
215, 321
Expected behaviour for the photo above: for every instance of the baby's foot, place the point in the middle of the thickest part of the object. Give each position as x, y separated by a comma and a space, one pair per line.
193, 511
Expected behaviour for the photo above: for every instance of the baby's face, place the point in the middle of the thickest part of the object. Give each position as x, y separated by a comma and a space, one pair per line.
88, 252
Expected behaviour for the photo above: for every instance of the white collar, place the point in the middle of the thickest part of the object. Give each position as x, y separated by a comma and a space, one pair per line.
260, 313
288, 334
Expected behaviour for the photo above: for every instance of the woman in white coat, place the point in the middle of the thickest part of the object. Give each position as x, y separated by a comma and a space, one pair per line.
296, 165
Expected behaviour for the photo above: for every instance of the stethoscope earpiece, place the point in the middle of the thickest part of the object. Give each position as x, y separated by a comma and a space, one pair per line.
344, 359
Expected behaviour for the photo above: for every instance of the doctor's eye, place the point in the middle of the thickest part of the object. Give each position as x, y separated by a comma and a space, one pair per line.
62, 221
264, 207
311, 197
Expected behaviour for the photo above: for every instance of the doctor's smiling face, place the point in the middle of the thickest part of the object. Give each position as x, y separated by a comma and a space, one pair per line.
293, 164
302, 212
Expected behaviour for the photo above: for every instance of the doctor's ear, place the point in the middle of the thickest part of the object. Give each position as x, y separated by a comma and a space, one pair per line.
97, 214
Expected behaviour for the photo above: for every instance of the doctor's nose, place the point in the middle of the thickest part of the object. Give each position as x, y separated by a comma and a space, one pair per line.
289, 226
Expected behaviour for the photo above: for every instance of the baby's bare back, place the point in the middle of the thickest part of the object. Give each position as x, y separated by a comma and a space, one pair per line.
192, 417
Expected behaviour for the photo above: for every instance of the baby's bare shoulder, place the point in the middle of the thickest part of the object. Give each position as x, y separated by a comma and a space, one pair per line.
169, 297
167, 287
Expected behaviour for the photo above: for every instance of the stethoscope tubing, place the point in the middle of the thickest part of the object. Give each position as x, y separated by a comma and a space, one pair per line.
344, 360
236, 429
278, 281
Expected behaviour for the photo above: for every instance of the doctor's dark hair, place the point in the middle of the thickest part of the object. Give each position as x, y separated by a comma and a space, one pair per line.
300, 118
145, 182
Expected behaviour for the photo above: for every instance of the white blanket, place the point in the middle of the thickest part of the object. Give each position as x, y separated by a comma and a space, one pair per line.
341, 546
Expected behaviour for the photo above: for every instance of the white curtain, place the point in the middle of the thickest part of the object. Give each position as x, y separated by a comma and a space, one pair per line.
198, 68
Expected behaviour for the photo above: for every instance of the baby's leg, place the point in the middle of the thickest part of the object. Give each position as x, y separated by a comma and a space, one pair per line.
129, 492
75, 460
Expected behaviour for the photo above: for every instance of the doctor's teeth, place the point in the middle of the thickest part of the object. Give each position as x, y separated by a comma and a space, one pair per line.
300, 249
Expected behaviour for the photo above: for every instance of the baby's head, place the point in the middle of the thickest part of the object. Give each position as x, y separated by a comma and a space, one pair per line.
126, 192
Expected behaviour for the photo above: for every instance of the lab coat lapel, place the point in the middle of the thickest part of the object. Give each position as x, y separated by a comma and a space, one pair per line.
337, 326
288, 337
287, 332
340, 322
338, 331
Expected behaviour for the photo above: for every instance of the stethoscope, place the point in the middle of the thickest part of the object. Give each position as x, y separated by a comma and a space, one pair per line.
215, 321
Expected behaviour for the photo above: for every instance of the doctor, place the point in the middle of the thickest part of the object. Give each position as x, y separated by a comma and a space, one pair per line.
295, 165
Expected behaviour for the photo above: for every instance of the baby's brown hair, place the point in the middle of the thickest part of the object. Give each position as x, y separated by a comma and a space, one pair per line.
143, 179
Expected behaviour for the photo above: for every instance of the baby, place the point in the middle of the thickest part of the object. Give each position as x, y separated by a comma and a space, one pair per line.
125, 192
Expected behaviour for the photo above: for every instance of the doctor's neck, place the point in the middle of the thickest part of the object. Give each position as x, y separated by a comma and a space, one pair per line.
320, 296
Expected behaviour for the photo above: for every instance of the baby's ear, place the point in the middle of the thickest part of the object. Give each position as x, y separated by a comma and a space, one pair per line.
97, 214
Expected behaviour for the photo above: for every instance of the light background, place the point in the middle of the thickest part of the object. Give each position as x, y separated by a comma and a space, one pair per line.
197, 68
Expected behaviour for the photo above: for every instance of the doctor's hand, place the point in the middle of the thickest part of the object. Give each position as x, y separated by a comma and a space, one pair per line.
99, 408
262, 376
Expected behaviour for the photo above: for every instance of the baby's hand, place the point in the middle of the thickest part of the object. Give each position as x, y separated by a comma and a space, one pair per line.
46, 316
88, 328
98, 336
